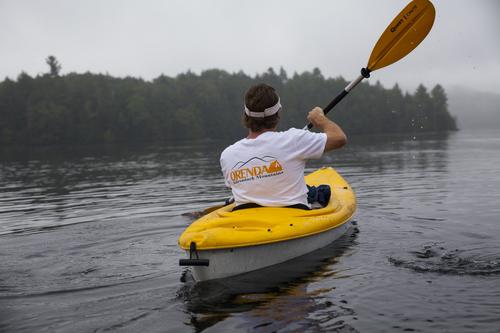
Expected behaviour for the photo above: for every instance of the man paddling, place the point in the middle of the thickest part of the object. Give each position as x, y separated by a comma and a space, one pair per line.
267, 167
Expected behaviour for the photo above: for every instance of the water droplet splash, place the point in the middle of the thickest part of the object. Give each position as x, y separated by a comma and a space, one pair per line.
437, 259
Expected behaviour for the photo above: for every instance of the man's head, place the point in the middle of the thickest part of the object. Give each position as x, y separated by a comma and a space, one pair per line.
261, 108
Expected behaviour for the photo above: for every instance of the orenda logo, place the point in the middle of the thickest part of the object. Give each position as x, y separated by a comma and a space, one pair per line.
256, 168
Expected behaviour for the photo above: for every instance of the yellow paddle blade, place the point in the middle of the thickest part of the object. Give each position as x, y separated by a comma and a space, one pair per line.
404, 33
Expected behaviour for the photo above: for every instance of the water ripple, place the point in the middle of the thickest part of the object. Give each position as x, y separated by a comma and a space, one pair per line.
88, 242
436, 259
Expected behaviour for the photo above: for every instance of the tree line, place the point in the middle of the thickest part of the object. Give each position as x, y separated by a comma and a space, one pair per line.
95, 108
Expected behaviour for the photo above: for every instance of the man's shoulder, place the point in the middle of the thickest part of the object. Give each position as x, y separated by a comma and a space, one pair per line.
288, 132
293, 133
231, 148
302, 133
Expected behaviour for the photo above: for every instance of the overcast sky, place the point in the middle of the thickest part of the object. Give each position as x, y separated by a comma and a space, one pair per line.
148, 38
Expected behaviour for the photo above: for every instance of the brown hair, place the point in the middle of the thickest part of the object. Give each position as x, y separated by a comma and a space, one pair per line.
257, 99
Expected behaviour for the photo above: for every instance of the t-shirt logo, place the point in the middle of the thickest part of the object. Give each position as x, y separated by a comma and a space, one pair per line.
256, 168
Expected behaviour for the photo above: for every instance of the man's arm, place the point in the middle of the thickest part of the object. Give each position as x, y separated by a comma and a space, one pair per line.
336, 138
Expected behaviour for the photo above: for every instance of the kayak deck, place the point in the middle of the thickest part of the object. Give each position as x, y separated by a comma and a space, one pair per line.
224, 229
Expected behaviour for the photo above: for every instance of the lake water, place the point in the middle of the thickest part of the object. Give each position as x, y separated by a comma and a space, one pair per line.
88, 242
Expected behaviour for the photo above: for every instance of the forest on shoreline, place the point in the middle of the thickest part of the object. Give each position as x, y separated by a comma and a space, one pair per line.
95, 108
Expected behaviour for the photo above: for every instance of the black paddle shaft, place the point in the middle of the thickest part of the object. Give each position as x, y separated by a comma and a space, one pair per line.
365, 73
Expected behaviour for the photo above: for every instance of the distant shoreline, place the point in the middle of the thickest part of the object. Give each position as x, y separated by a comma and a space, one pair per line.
100, 109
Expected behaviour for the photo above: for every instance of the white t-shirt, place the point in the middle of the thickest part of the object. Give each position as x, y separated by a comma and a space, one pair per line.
269, 170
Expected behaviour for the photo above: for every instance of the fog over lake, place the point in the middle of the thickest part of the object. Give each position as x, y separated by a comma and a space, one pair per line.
105, 160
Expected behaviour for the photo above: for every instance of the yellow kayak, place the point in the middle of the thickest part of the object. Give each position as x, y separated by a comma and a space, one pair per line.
225, 243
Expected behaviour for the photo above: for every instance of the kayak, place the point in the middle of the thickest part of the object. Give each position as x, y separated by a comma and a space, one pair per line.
224, 243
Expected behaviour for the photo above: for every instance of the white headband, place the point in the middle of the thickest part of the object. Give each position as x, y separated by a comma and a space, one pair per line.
267, 112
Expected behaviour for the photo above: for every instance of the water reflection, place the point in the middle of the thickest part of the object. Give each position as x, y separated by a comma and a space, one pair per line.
95, 243
62, 187
380, 153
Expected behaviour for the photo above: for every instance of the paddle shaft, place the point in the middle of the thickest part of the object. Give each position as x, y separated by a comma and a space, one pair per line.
365, 73
402, 35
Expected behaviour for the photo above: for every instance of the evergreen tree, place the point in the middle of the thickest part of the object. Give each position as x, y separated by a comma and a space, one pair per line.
54, 66
95, 108
441, 117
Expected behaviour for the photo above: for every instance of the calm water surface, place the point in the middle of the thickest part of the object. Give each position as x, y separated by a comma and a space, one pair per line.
88, 242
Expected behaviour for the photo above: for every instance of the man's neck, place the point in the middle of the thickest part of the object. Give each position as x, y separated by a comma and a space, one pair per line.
253, 135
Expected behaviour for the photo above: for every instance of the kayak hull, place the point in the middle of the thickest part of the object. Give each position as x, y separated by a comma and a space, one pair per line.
235, 261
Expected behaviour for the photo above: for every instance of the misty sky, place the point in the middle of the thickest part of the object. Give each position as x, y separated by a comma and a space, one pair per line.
148, 38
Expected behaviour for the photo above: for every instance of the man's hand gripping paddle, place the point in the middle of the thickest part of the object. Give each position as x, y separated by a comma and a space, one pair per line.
403, 34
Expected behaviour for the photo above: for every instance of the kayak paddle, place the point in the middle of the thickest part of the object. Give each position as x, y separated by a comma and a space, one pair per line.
403, 34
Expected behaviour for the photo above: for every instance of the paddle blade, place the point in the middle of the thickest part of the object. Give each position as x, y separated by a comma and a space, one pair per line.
404, 33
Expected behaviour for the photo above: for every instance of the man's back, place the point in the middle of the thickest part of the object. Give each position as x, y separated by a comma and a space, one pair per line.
269, 170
